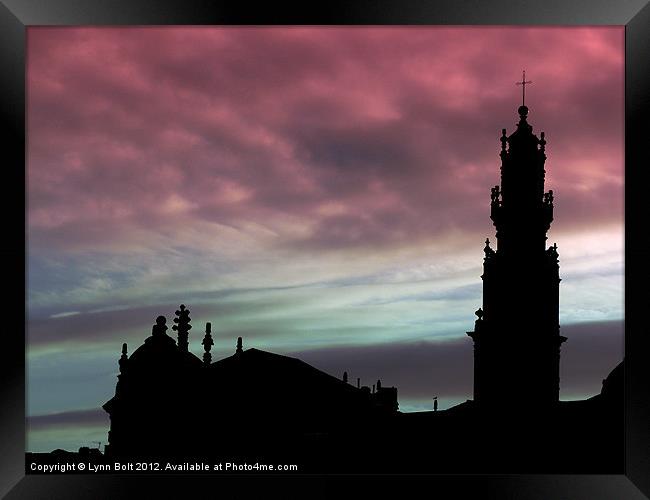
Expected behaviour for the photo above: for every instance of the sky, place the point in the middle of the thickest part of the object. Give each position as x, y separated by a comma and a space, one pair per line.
322, 192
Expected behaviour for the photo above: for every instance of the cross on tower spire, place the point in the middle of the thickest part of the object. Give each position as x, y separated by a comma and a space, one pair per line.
523, 84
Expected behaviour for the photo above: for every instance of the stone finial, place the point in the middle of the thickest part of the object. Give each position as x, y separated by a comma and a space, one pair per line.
240, 347
489, 252
123, 358
378, 384
504, 139
345, 377
542, 142
207, 342
182, 327
523, 112
160, 327
495, 193
548, 199
523, 127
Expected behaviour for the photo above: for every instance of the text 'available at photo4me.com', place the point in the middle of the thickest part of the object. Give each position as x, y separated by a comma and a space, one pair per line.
153, 467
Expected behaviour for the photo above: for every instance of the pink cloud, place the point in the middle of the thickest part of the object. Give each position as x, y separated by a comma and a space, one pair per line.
395, 127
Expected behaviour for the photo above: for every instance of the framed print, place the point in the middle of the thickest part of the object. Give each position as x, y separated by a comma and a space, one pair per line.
287, 247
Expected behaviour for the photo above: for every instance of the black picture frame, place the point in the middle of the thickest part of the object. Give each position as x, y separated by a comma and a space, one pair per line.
17, 15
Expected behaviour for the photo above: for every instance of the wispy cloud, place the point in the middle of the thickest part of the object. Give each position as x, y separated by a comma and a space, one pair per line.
64, 314
90, 417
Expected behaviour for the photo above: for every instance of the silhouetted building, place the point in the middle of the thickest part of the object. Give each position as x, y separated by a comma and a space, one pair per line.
257, 404
517, 333
169, 402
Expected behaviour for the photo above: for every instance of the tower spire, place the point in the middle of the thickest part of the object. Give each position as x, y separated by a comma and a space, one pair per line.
517, 334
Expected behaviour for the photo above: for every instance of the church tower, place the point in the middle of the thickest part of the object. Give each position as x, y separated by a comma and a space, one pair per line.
517, 333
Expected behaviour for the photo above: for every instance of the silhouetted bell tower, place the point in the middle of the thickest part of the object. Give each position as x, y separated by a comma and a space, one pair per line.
517, 333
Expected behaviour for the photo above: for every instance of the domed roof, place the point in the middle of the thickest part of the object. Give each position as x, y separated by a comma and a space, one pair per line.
161, 350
